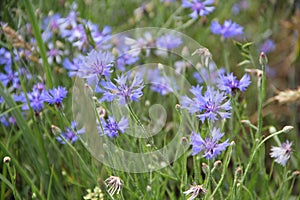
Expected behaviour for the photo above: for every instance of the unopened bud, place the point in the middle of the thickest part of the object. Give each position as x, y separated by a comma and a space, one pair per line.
205, 168
148, 145
178, 107
272, 129
147, 103
101, 112
288, 129
6, 159
184, 140
148, 188
218, 164
296, 173
238, 171
263, 60
245, 121
55, 130
89, 89
160, 66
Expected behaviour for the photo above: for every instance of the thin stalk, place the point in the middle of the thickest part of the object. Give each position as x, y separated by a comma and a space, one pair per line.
255, 151
41, 45
225, 167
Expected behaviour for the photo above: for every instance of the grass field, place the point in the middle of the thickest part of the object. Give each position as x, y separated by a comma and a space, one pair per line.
162, 99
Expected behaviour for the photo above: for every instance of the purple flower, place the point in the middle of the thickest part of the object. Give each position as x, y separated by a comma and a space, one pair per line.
124, 59
96, 63
240, 6
122, 91
10, 77
208, 74
282, 153
143, 43
54, 96
49, 26
228, 30
73, 66
267, 46
231, 84
35, 99
159, 83
199, 7
168, 41
212, 105
210, 146
54, 54
70, 134
5, 57
112, 128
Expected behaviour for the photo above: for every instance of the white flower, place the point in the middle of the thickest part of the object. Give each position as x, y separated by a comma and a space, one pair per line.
114, 185
195, 190
282, 153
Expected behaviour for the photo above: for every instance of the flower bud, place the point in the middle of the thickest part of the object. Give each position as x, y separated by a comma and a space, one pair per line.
263, 60
6, 159
218, 164
288, 129
55, 130
205, 168
272, 129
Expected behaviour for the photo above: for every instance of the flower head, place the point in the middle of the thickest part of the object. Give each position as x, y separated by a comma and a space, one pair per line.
230, 83
168, 41
228, 30
96, 63
114, 185
112, 128
54, 96
69, 134
122, 91
54, 54
195, 190
199, 7
35, 99
209, 146
212, 105
282, 153
267, 46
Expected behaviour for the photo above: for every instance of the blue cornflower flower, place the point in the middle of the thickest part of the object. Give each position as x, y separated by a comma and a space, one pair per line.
208, 74
96, 63
35, 99
112, 128
199, 7
228, 30
54, 54
210, 106
230, 83
5, 57
73, 65
282, 153
168, 41
10, 77
159, 83
209, 146
54, 96
126, 58
121, 90
69, 134
267, 46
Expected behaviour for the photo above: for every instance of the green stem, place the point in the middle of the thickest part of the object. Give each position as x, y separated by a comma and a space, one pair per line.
225, 167
261, 99
254, 152
41, 45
